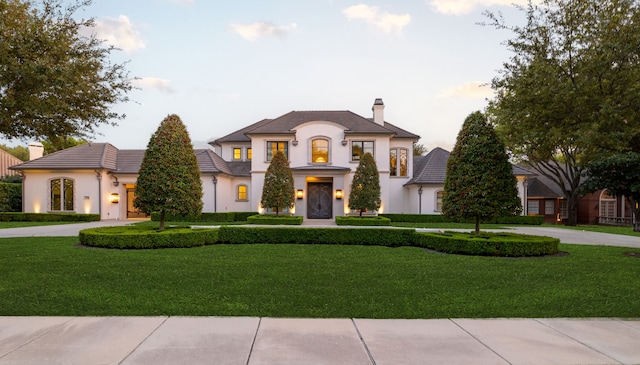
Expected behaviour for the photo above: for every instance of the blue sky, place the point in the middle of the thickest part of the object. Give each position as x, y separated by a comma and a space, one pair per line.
222, 65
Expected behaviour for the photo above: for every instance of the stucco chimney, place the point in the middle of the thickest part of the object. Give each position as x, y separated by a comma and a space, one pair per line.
378, 111
36, 150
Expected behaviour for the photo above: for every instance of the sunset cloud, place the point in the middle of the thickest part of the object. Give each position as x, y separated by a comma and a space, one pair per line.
373, 15
253, 31
119, 32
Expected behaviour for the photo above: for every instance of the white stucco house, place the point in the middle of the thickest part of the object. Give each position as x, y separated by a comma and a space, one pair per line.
323, 148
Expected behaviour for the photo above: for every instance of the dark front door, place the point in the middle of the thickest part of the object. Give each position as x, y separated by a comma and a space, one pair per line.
319, 203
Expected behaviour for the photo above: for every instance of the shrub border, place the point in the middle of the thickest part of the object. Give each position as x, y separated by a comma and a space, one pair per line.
489, 244
362, 221
47, 217
275, 220
123, 237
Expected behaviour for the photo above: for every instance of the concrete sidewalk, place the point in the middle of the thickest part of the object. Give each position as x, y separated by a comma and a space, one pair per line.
257, 341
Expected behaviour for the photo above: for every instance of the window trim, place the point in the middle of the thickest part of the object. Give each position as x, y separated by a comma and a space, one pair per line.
310, 155
246, 192
438, 199
373, 149
249, 153
398, 169
63, 201
269, 155
233, 153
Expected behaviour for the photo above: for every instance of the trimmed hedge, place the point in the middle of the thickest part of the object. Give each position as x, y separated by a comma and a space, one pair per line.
48, 217
363, 221
489, 244
10, 197
438, 218
205, 217
275, 220
392, 237
138, 237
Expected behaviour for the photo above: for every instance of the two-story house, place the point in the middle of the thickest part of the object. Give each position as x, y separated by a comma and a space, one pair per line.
323, 148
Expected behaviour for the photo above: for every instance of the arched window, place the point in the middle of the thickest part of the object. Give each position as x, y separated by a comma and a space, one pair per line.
241, 193
608, 206
320, 150
439, 196
61, 195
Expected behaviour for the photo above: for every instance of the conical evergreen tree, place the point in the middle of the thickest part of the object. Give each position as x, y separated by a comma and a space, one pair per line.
169, 179
277, 191
479, 182
365, 187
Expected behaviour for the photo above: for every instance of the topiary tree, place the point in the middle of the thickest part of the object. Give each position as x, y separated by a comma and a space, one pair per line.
479, 181
278, 191
365, 187
169, 179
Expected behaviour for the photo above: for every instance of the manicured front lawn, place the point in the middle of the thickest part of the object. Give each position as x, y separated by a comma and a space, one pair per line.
32, 224
52, 276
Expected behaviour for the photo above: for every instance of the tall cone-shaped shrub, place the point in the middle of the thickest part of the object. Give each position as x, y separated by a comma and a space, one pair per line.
479, 181
365, 187
277, 191
169, 179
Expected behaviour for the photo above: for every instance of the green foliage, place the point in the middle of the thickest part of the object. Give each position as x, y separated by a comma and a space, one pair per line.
57, 78
570, 88
489, 244
57, 143
19, 152
48, 217
479, 183
169, 178
438, 218
274, 219
419, 149
363, 221
205, 217
136, 237
392, 237
365, 187
10, 197
620, 174
277, 191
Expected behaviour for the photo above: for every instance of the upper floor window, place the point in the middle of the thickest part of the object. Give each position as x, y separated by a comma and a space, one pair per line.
320, 151
275, 146
237, 153
359, 148
398, 161
249, 154
241, 193
439, 196
61, 194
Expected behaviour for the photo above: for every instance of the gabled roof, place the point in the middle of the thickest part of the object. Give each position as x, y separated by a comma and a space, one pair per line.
286, 124
129, 161
538, 189
84, 156
209, 161
430, 169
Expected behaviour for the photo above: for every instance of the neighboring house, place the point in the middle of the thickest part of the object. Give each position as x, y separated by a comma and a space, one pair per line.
7, 160
544, 197
323, 147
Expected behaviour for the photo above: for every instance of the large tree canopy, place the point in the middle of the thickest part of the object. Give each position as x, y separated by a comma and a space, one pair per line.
169, 178
54, 80
571, 87
479, 182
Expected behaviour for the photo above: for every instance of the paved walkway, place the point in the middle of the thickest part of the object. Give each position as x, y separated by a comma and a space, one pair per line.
256, 341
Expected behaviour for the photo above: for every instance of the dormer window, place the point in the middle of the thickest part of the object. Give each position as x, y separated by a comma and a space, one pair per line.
320, 150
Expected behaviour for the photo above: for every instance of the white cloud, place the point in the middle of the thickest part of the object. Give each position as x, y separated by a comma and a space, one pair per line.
253, 31
119, 32
470, 90
154, 83
373, 15
461, 7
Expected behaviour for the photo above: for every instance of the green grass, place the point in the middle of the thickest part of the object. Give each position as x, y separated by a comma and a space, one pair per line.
627, 231
53, 276
31, 224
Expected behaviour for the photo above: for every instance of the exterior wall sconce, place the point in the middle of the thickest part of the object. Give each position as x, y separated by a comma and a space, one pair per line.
294, 142
344, 142
299, 194
338, 194
114, 198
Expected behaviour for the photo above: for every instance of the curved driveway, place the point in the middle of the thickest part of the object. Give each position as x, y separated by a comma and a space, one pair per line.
565, 235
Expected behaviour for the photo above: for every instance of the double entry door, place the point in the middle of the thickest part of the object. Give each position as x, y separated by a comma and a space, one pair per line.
319, 202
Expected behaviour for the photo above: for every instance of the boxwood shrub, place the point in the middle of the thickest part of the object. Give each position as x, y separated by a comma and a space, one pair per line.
363, 221
489, 244
10, 197
299, 235
438, 218
138, 237
205, 217
47, 217
268, 219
